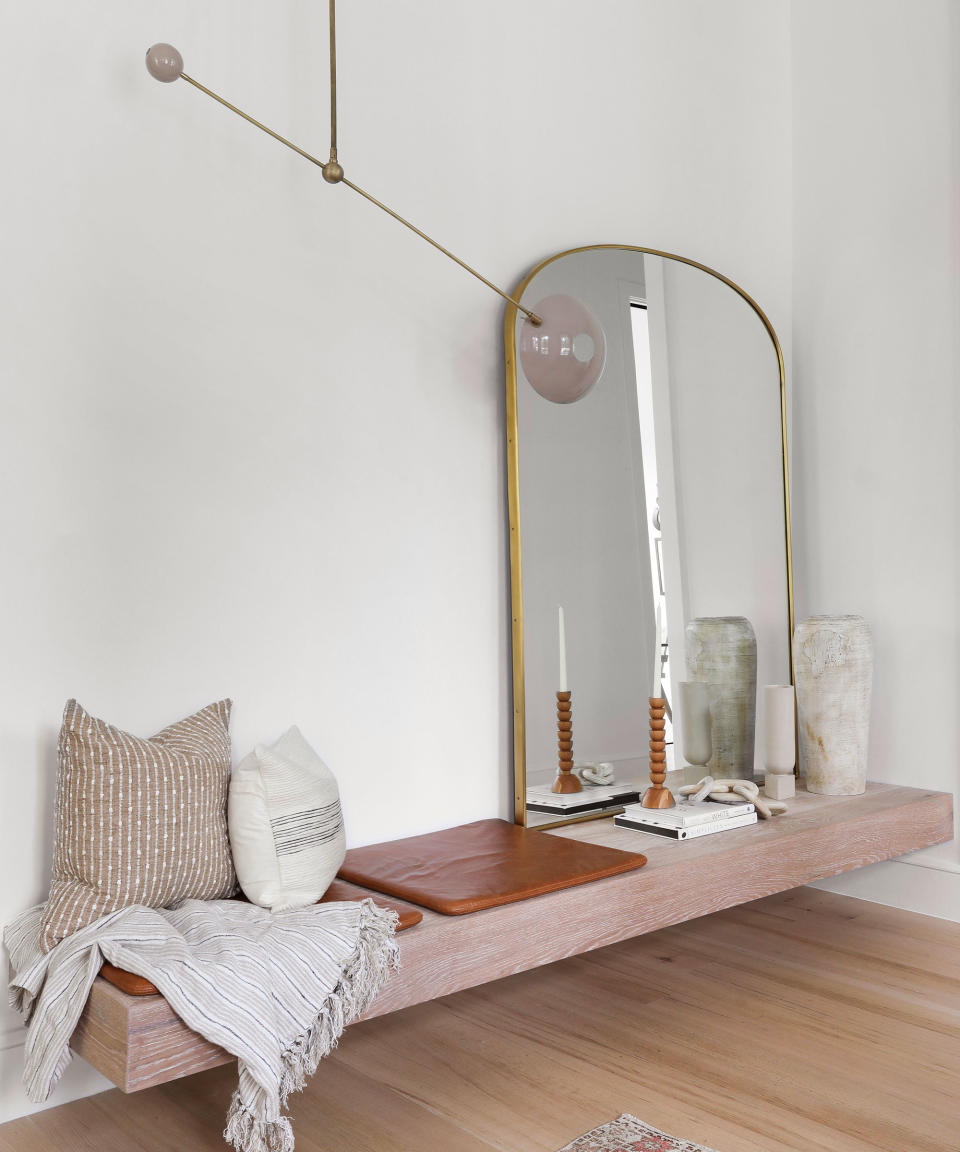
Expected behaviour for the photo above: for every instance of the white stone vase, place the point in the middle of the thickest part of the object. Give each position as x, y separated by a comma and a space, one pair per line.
722, 653
833, 672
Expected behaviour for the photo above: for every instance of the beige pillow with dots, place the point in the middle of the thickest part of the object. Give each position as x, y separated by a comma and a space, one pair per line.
138, 821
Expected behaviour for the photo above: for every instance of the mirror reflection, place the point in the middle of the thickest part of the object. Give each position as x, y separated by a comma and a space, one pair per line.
645, 498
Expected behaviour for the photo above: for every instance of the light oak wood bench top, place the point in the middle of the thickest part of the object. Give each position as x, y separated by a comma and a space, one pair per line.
137, 1042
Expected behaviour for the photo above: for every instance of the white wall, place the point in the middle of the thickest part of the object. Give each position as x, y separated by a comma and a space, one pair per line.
876, 106
252, 431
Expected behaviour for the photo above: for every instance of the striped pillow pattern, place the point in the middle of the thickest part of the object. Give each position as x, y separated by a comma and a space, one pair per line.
138, 821
286, 826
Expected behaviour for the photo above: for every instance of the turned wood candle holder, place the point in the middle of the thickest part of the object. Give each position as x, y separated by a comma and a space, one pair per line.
656, 796
565, 782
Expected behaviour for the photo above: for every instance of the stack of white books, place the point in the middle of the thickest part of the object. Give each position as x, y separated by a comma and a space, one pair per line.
686, 821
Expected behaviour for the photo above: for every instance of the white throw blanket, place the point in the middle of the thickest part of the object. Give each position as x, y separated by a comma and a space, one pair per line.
275, 990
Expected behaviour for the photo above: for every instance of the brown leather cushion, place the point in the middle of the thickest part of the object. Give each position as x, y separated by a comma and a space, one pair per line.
338, 891
481, 865
127, 981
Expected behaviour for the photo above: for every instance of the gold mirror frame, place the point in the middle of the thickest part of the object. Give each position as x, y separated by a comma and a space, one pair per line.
513, 502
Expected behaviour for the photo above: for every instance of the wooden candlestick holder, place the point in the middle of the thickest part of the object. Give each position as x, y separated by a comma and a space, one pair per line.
565, 782
656, 796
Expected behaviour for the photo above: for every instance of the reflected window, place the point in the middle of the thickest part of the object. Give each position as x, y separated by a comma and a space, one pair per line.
640, 327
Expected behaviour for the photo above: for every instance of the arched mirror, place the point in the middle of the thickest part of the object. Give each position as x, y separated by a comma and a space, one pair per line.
651, 479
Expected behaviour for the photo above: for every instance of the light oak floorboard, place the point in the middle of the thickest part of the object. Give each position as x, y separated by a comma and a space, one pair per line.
802, 1021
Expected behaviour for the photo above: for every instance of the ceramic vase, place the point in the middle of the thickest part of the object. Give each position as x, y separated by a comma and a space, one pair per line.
722, 653
833, 672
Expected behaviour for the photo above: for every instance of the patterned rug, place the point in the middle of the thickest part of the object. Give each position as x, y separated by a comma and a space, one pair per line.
628, 1134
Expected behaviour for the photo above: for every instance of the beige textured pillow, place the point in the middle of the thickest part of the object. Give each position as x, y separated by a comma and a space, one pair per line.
138, 821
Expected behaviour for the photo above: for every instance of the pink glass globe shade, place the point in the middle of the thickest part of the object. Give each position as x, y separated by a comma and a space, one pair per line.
164, 63
563, 357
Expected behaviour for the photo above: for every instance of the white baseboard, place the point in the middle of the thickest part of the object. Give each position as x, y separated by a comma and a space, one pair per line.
12, 1037
79, 1079
927, 885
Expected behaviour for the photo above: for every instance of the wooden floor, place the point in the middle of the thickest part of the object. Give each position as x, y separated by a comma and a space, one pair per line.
803, 1021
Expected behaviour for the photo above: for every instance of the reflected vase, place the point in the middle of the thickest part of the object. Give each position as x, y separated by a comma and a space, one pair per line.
695, 729
722, 653
833, 672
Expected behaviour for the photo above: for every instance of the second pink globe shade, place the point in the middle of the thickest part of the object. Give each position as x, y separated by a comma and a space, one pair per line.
164, 63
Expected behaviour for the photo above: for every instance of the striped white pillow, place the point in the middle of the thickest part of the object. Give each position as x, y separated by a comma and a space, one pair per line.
286, 827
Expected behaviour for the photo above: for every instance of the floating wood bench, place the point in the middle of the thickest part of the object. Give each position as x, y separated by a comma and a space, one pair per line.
139, 1041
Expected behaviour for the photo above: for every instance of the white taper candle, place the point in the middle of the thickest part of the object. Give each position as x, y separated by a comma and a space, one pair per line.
563, 652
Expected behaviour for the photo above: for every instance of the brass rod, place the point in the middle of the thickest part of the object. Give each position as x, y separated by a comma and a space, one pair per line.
532, 316
250, 120
333, 79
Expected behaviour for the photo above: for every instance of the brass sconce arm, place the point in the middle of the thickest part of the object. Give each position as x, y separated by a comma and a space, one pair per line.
165, 63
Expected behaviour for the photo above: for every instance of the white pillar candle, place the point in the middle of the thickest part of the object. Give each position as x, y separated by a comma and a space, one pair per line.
563, 652
780, 737
657, 652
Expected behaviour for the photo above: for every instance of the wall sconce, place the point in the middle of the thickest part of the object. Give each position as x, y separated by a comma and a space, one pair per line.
563, 355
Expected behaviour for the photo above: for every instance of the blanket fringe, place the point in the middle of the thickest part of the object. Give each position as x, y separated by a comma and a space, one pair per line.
364, 974
247, 1133
377, 955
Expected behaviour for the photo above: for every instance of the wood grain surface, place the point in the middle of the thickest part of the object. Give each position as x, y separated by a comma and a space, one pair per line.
802, 1022
139, 1042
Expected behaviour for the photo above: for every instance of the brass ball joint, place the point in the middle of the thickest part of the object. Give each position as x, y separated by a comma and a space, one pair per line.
165, 63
